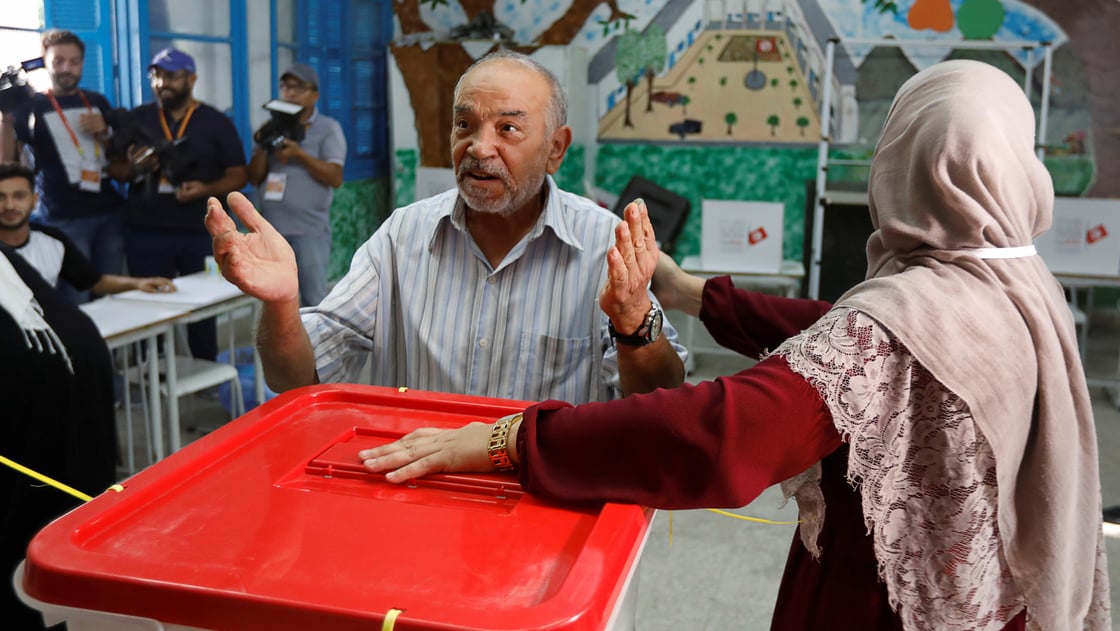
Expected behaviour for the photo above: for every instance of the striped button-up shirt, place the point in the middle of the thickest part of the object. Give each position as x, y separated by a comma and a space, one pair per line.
423, 304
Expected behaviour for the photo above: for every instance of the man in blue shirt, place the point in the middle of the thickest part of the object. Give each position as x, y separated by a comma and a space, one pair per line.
505, 286
295, 181
65, 130
167, 202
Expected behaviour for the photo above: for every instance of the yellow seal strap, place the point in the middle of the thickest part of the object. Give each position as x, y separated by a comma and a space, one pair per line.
42, 478
390, 619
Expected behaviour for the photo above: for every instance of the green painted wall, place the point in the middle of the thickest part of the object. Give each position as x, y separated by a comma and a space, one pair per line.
768, 174
358, 209
755, 173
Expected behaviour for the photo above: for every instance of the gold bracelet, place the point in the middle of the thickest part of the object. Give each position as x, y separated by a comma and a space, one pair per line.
498, 447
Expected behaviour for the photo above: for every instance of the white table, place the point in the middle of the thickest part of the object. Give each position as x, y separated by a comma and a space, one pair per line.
124, 322
785, 282
199, 296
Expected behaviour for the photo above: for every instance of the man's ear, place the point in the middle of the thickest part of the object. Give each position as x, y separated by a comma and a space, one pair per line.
558, 145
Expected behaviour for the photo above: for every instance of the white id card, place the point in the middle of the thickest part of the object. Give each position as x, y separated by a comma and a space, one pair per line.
91, 177
274, 186
165, 187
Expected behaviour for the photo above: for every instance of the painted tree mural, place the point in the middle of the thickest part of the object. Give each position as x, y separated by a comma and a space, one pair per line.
629, 65
655, 53
431, 71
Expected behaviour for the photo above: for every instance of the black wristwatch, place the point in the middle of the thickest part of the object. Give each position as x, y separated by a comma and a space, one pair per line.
646, 334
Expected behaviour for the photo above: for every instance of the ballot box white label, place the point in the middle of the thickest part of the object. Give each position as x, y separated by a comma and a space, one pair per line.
1084, 238
739, 236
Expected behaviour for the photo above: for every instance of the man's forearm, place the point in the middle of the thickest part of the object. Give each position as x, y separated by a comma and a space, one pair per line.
323, 172
646, 368
258, 167
285, 349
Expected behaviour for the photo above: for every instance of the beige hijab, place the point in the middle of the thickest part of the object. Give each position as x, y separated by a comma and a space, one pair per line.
955, 171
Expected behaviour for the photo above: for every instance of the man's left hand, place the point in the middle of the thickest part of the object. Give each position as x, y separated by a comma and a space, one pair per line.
290, 150
93, 123
630, 266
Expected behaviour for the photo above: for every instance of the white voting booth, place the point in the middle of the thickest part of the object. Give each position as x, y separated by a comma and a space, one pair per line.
738, 236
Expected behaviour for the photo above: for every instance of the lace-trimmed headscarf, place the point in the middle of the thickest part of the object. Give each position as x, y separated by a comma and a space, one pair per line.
954, 182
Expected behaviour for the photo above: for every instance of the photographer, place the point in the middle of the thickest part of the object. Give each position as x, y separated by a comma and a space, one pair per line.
200, 157
296, 173
65, 130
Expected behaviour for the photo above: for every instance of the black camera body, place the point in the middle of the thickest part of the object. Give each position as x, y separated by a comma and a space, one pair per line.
174, 163
283, 124
14, 89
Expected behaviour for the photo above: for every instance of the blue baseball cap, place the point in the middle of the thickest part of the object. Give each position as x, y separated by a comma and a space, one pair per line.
172, 60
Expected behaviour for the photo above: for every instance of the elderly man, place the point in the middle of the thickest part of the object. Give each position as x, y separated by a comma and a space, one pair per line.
489, 289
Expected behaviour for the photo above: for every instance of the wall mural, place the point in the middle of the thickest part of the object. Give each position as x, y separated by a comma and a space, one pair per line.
672, 83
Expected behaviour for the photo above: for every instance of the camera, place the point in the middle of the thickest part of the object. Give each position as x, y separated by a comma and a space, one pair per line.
14, 89
174, 162
283, 124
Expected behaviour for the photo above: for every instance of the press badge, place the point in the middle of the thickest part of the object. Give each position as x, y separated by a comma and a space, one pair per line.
274, 186
90, 177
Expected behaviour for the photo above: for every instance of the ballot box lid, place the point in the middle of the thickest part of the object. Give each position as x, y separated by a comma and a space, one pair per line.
271, 523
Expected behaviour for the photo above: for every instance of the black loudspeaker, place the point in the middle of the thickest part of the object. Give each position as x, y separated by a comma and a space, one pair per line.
667, 210
847, 225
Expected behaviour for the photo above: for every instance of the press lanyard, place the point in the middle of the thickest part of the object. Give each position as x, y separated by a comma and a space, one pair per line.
66, 123
182, 124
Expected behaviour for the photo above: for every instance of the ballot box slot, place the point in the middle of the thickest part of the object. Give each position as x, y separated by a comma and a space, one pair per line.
340, 461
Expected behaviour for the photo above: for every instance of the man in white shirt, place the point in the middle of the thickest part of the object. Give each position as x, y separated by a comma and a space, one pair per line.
498, 288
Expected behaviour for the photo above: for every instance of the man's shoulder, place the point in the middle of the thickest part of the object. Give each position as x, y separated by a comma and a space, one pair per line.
423, 212
210, 113
584, 208
50, 231
326, 121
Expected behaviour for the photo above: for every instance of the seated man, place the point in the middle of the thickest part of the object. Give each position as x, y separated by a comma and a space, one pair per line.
498, 288
47, 249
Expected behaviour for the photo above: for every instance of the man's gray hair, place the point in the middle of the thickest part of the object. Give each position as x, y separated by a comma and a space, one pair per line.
557, 113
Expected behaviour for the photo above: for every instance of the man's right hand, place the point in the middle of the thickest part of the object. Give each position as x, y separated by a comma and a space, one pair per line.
260, 263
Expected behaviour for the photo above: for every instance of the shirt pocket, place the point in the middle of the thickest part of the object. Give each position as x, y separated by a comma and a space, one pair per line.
553, 368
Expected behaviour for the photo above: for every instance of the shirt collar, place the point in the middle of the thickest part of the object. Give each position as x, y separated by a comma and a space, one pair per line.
555, 216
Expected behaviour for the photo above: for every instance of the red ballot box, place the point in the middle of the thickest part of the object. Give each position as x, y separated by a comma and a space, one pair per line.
270, 523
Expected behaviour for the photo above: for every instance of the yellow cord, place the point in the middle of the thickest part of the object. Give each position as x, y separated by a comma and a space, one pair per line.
390, 619
42, 478
757, 520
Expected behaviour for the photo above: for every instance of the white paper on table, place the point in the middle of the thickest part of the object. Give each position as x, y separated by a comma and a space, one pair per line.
195, 290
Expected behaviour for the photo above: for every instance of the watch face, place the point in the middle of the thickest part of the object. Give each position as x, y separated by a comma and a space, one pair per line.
655, 326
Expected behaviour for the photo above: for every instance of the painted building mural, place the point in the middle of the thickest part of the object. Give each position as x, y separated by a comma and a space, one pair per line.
721, 99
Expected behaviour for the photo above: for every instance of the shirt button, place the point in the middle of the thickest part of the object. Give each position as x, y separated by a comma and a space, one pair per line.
483, 343
492, 279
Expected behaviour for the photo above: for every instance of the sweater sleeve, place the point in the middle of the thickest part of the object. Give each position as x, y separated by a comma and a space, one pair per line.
716, 444
751, 322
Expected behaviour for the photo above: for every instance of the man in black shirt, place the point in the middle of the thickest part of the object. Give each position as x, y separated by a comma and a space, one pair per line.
65, 130
167, 203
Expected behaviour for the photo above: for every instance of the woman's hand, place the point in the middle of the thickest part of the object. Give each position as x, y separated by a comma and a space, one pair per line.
429, 450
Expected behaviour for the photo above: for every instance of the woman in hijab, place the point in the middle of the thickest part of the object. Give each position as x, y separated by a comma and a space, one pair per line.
934, 424
56, 390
